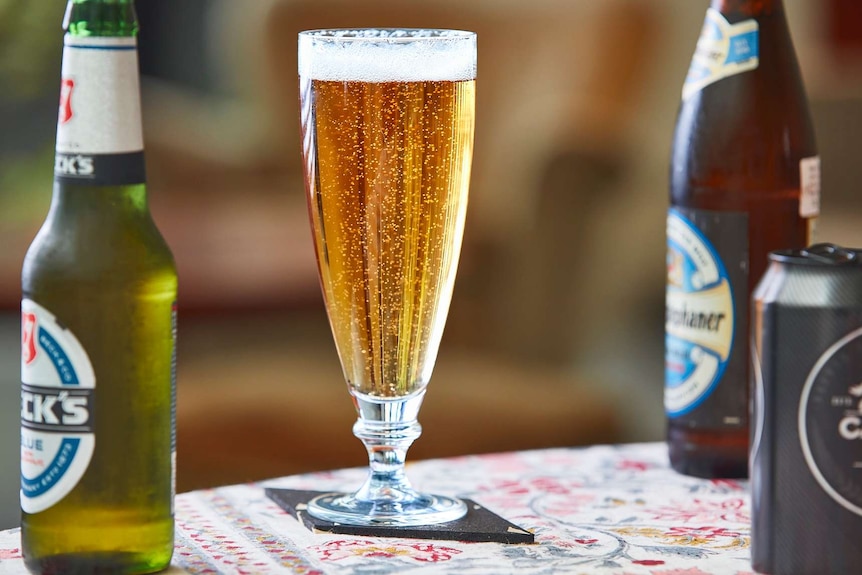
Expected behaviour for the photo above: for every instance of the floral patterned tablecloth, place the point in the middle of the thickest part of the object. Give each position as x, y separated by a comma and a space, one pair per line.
612, 510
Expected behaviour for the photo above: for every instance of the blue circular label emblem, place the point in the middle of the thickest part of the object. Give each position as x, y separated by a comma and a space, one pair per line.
699, 318
57, 386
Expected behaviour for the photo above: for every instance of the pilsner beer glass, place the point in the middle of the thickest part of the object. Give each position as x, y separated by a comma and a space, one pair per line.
387, 133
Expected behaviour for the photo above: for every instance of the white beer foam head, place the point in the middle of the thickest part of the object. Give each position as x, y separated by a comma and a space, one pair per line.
387, 55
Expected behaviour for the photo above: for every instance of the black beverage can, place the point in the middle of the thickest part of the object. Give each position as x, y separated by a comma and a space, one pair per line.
806, 433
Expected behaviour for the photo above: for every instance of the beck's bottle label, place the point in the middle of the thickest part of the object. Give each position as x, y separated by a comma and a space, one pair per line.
57, 419
99, 135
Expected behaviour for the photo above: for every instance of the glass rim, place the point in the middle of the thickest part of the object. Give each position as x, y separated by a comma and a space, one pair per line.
386, 35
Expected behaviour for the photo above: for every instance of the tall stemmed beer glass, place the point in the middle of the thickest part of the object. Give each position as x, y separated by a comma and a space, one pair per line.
387, 132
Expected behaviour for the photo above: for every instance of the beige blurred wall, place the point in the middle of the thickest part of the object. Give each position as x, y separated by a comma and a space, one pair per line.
562, 263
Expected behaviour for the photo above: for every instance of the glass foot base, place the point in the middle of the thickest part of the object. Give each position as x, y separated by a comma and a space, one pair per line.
344, 508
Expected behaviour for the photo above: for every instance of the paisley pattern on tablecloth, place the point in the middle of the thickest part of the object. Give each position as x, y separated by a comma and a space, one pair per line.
616, 510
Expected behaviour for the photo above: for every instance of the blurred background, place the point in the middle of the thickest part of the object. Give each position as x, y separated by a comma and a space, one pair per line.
555, 335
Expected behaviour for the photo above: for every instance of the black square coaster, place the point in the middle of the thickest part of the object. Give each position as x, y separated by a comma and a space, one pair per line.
478, 524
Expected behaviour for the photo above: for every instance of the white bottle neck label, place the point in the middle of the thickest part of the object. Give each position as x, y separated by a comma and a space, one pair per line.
99, 135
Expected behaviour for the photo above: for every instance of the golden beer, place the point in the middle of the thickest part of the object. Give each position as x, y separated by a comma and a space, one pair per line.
389, 167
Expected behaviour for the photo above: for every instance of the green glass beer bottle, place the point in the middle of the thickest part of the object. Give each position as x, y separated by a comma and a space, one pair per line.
744, 181
98, 326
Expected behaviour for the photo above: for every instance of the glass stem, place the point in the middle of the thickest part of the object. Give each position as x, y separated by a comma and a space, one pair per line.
387, 428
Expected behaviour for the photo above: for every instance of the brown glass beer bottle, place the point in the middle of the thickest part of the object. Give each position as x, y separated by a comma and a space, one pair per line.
745, 180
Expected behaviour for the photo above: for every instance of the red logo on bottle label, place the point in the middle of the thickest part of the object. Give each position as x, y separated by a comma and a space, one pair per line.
28, 337
66, 87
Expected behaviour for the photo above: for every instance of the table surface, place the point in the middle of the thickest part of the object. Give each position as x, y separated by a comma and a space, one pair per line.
609, 509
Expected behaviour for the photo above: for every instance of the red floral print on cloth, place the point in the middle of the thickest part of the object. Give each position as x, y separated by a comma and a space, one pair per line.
534, 485
727, 485
423, 552
554, 485
507, 494
567, 506
648, 562
502, 462
732, 510
576, 542
614, 510
10, 554
634, 465
692, 571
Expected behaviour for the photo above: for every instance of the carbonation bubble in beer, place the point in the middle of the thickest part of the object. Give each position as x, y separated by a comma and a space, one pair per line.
387, 139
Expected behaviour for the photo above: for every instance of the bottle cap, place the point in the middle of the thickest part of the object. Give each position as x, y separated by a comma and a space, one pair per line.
819, 254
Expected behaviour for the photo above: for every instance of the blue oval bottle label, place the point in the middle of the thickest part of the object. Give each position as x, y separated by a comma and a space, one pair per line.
699, 318
57, 431
723, 50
